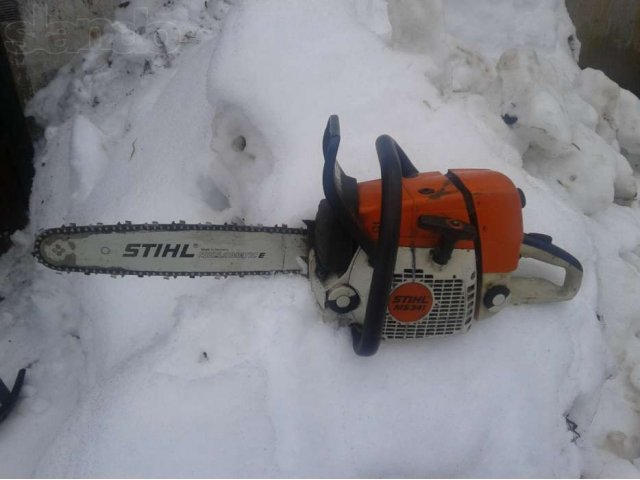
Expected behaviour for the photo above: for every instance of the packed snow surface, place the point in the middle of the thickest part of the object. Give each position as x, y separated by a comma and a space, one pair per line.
214, 111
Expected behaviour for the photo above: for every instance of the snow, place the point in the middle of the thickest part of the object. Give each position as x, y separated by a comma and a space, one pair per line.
210, 111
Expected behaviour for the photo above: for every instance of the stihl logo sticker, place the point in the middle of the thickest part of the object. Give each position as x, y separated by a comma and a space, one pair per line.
410, 302
158, 250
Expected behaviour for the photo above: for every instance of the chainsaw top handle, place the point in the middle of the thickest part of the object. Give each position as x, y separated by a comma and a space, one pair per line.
341, 193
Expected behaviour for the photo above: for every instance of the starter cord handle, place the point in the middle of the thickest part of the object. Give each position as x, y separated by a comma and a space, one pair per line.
366, 339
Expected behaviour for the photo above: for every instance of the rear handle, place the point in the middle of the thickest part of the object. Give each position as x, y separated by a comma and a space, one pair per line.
540, 290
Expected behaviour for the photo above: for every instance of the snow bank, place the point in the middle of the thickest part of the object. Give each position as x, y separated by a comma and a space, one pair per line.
491, 28
211, 112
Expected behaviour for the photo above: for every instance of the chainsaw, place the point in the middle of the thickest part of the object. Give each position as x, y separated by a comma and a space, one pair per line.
408, 256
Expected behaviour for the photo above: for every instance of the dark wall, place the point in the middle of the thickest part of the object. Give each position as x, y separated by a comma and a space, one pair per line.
16, 157
609, 31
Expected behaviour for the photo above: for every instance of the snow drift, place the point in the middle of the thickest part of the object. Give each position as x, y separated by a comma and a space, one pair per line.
214, 112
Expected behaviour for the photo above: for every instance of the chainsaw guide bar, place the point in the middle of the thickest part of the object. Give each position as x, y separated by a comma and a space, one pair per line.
172, 250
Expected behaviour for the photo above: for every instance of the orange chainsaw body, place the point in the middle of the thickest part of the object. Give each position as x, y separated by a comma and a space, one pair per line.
494, 201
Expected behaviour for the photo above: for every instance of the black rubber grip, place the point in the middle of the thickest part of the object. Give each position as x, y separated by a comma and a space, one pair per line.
366, 339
